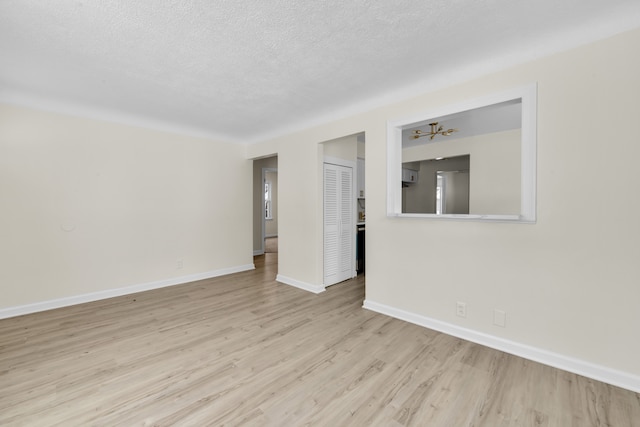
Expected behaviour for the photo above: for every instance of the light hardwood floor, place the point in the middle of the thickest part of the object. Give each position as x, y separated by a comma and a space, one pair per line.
245, 350
271, 245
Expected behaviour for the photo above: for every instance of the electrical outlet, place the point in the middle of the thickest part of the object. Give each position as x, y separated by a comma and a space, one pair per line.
461, 309
179, 264
499, 318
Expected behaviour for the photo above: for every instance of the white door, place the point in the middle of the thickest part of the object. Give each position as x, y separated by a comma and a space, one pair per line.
339, 224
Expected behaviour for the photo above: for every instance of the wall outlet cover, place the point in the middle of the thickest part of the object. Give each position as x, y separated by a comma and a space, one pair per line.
499, 318
461, 309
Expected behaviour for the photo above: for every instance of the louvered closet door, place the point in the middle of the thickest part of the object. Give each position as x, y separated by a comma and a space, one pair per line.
339, 224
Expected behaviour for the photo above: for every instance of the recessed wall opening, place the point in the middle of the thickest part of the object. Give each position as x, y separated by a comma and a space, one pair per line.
343, 208
489, 148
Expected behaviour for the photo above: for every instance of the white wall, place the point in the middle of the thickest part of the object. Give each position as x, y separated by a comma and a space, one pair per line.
569, 283
342, 148
90, 206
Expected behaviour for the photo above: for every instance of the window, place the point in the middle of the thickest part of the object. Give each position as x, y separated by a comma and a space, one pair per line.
268, 214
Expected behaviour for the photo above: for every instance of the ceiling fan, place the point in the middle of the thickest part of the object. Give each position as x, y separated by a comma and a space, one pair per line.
435, 130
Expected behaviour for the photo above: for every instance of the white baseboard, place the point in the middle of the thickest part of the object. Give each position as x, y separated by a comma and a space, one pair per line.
258, 252
577, 366
110, 293
316, 289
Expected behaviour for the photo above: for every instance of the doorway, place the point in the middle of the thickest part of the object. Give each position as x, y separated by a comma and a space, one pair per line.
270, 217
265, 205
343, 208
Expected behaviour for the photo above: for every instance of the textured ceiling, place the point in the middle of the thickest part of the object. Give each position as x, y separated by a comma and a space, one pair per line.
248, 70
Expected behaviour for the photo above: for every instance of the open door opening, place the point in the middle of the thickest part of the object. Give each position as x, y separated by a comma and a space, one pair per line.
343, 207
265, 205
270, 217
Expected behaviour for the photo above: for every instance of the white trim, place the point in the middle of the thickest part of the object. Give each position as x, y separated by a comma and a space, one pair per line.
116, 292
465, 217
597, 372
316, 289
258, 252
268, 236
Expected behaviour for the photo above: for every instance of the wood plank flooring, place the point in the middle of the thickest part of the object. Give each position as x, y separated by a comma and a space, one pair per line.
245, 350
271, 245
